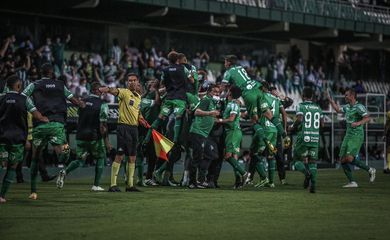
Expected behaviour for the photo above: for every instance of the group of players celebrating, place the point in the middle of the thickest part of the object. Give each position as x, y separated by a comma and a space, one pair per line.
208, 116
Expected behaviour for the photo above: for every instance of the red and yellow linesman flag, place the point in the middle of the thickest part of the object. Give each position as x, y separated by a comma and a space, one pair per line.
162, 145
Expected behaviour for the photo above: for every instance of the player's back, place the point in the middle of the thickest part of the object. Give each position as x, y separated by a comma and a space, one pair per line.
309, 130
174, 79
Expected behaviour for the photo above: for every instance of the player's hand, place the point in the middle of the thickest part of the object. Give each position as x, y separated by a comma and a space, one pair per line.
27, 145
108, 147
82, 104
355, 124
214, 113
104, 89
44, 119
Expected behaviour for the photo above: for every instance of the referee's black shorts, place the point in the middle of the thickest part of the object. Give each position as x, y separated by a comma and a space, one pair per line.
127, 139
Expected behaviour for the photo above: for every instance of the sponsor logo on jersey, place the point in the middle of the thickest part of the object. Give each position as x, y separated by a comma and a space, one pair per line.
11, 101
306, 139
50, 86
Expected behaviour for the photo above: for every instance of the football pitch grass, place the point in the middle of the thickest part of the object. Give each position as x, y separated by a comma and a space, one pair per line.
285, 212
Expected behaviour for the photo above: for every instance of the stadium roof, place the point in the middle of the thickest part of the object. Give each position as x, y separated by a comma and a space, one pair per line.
214, 17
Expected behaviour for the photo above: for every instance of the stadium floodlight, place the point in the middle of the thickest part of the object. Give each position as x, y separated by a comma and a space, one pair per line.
87, 4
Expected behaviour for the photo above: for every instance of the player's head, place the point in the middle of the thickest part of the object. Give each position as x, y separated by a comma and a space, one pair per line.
234, 93
307, 93
214, 90
350, 95
173, 57
132, 80
182, 58
230, 60
14, 83
265, 86
47, 70
95, 88
273, 90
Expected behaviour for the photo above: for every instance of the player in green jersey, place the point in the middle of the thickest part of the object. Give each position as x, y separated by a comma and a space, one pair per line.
307, 124
231, 119
356, 116
251, 93
263, 149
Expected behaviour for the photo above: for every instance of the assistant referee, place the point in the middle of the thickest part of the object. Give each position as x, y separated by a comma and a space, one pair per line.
127, 129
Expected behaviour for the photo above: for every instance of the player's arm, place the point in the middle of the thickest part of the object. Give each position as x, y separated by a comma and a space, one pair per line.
284, 117
201, 111
110, 90
297, 122
365, 120
232, 116
73, 99
189, 75
334, 105
34, 112
142, 121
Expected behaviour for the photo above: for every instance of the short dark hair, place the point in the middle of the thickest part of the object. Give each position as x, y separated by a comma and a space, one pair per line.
232, 59
95, 86
235, 92
307, 93
173, 56
265, 84
181, 56
12, 80
47, 70
132, 74
352, 91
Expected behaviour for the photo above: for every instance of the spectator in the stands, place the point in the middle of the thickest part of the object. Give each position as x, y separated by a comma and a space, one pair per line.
58, 49
115, 51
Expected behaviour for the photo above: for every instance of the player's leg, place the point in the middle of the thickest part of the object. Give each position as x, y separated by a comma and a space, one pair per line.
98, 151
40, 136
271, 159
179, 109
116, 164
300, 162
132, 140
354, 149
197, 155
166, 109
312, 165
280, 161
58, 140
15, 155
231, 142
345, 160
139, 162
257, 158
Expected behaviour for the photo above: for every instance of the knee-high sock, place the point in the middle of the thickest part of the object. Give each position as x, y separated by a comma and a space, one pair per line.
34, 173
154, 125
233, 162
140, 167
360, 164
260, 168
162, 167
63, 157
130, 174
299, 166
276, 121
347, 171
177, 129
98, 171
271, 170
74, 165
7, 180
313, 173
114, 172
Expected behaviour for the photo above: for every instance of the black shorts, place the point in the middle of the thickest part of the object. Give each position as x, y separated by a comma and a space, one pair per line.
127, 139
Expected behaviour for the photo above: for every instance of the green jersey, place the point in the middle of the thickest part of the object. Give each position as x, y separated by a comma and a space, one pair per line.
354, 113
275, 105
202, 125
191, 71
309, 129
149, 108
237, 76
232, 108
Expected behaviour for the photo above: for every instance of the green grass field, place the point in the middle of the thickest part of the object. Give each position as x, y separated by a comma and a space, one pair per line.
286, 212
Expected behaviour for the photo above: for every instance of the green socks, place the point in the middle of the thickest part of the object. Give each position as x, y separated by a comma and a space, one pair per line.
233, 162
139, 164
177, 129
360, 164
260, 168
348, 172
74, 165
7, 180
271, 170
313, 173
299, 166
98, 171
34, 173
